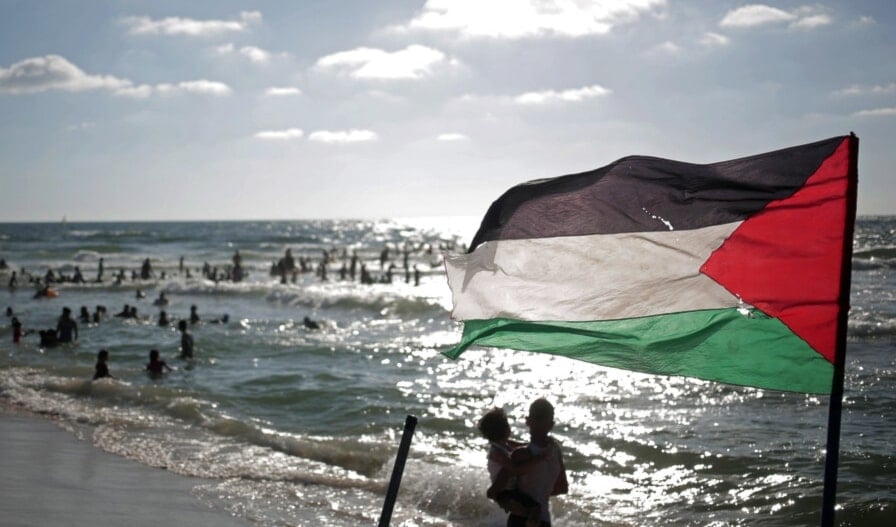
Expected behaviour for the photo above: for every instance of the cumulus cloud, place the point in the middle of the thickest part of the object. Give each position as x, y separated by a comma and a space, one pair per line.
253, 53
856, 90
202, 86
343, 136
551, 96
282, 91
279, 135
54, 72
141, 91
754, 15
529, 18
665, 49
877, 112
452, 137
143, 25
412, 62
710, 39
812, 21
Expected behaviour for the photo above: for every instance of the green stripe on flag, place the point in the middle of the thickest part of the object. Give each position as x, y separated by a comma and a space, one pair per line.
720, 345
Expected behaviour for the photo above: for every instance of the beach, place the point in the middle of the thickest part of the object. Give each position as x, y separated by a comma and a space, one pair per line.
50, 478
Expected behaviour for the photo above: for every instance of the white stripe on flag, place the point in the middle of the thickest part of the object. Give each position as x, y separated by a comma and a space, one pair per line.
595, 277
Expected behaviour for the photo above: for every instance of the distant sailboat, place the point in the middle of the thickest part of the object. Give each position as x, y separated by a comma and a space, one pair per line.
64, 220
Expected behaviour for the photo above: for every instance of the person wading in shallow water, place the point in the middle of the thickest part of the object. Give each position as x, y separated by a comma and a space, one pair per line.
66, 328
186, 341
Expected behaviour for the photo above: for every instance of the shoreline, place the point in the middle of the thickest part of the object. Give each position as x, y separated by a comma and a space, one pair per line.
51, 478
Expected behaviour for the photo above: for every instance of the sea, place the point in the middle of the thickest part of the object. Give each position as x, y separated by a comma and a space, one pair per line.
283, 425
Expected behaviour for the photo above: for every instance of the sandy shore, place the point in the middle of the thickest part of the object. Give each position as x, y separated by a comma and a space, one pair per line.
50, 478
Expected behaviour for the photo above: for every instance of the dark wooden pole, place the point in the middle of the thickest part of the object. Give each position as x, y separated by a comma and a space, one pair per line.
409, 424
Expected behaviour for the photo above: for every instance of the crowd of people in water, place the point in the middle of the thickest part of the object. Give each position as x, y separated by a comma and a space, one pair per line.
287, 269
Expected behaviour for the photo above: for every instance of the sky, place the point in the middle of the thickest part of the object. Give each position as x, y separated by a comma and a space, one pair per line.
224, 109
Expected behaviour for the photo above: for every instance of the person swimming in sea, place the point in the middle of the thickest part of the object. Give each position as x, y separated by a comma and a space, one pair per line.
101, 370
162, 300
156, 367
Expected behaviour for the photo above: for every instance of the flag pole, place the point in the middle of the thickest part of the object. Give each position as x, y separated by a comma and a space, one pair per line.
404, 447
832, 452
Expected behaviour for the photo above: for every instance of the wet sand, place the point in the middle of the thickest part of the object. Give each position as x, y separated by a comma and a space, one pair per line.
50, 478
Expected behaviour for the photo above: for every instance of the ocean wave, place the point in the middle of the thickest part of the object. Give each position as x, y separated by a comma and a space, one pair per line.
872, 328
130, 412
876, 253
386, 299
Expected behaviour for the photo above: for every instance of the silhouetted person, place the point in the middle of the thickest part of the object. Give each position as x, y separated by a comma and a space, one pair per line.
194, 315
186, 341
101, 369
66, 327
146, 270
156, 367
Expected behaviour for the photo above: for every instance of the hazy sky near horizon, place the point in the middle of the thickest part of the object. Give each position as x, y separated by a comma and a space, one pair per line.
163, 110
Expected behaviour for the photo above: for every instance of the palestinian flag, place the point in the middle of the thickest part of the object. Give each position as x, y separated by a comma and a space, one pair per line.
736, 272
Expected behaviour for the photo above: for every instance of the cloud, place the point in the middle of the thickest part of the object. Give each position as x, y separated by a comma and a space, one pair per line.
753, 15
143, 25
665, 49
202, 86
412, 62
452, 137
53, 72
253, 53
343, 136
282, 91
710, 39
551, 96
812, 21
859, 90
136, 92
279, 135
877, 112
529, 18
